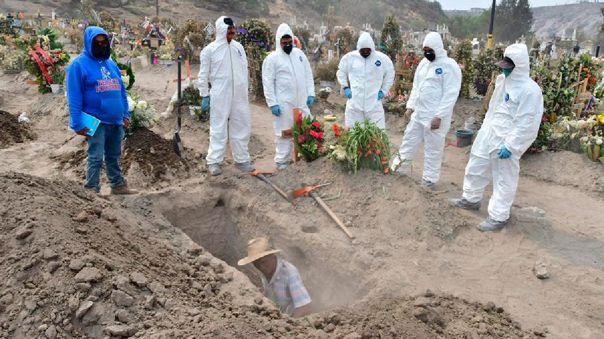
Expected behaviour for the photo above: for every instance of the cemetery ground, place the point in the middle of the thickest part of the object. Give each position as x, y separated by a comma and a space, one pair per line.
163, 263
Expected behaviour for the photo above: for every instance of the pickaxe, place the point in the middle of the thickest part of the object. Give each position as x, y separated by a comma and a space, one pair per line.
310, 190
261, 175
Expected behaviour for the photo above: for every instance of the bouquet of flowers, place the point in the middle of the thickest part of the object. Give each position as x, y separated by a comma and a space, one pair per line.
363, 146
308, 137
142, 114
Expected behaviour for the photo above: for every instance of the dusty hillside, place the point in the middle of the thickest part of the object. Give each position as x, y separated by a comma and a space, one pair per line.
554, 20
414, 13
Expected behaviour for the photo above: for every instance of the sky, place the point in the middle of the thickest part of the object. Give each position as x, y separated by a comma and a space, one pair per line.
467, 4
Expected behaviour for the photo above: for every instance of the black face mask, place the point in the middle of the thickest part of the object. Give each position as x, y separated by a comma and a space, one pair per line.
430, 56
365, 54
101, 52
288, 48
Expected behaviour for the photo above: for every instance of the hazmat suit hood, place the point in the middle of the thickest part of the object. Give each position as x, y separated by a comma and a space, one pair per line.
519, 55
434, 41
90, 33
221, 30
282, 30
365, 41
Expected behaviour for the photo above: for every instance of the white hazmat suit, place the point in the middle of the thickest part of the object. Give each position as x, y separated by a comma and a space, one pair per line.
365, 77
224, 67
435, 90
287, 81
512, 120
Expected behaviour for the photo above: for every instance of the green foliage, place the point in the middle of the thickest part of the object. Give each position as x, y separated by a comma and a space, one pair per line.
363, 146
346, 40
51, 35
463, 56
256, 37
327, 71
391, 42
556, 80
124, 67
303, 35
190, 96
467, 27
484, 67
513, 18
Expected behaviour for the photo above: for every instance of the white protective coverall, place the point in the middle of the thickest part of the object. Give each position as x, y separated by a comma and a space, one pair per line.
512, 120
288, 82
224, 66
435, 90
365, 77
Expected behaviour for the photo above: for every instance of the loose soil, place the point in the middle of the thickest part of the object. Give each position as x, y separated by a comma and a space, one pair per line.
77, 265
153, 157
408, 240
12, 131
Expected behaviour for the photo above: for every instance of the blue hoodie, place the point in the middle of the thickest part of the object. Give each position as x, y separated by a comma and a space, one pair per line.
95, 86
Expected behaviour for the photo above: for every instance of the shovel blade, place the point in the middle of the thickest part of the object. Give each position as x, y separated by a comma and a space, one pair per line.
177, 144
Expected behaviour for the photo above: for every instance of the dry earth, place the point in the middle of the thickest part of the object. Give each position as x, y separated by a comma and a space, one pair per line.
407, 241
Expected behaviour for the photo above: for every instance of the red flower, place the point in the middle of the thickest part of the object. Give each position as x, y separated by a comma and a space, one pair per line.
316, 124
315, 135
320, 134
301, 139
299, 118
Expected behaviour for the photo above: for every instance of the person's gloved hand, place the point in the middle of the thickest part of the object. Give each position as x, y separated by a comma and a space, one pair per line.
276, 110
310, 100
348, 93
504, 152
380, 95
205, 103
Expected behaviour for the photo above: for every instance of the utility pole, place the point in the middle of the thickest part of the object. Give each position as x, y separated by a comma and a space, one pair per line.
490, 36
157, 8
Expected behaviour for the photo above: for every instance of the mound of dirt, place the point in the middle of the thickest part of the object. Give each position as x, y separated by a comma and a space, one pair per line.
565, 168
12, 131
322, 105
443, 315
153, 154
75, 265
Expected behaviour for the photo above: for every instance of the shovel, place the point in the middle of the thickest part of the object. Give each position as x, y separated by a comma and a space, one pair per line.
310, 190
176, 141
261, 175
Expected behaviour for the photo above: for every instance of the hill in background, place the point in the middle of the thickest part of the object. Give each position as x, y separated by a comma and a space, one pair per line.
417, 14
552, 21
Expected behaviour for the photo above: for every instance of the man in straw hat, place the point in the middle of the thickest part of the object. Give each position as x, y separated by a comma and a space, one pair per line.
280, 279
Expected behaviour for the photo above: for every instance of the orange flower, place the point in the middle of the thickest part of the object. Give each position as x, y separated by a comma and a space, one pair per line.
336, 130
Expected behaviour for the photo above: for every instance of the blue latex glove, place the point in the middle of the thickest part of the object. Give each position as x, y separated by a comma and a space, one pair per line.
380, 95
348, 93
276, 110
504, 152
310, 100
205, 103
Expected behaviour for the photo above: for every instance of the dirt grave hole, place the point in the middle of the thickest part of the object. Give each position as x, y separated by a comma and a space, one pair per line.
223, 223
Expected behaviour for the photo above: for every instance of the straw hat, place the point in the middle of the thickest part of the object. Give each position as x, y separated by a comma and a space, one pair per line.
256, 249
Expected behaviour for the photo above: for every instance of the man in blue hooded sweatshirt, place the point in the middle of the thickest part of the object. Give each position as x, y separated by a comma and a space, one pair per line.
94, 86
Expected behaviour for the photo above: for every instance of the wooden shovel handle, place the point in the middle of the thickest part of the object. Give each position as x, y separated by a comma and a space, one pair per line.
331, 214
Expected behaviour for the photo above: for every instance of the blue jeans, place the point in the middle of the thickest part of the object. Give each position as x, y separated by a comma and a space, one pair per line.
105, 144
